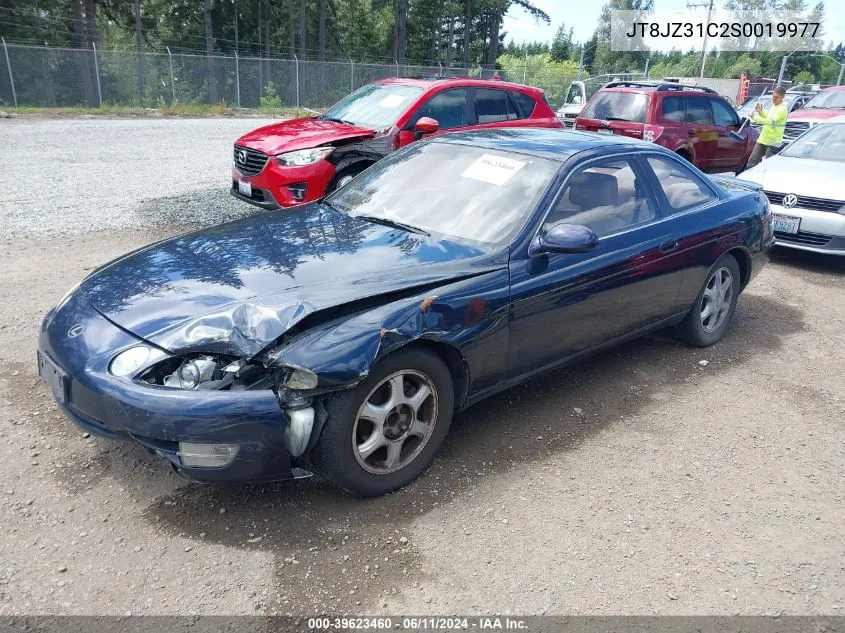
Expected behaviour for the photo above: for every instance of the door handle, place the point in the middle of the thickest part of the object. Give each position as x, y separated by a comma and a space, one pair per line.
668, 246
691, 133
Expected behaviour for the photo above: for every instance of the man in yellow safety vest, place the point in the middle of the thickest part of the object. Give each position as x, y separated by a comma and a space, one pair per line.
774, 123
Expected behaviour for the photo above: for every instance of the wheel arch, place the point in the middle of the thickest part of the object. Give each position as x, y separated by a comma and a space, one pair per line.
452, 358
743, 259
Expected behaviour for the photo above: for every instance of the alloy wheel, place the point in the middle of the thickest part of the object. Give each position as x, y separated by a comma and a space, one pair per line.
395, 422
717, 299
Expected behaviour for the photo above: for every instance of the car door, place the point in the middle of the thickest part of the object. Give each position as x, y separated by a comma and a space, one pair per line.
702, 133
450, 108
565, 304
687, 203
730, 153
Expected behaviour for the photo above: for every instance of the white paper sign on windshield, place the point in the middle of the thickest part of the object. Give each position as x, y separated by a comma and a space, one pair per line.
392, 101
495, 170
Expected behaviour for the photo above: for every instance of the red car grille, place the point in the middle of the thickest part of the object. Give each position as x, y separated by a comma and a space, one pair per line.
249, 161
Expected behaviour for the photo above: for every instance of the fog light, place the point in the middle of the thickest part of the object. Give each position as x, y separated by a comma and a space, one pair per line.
207, 455
297, 190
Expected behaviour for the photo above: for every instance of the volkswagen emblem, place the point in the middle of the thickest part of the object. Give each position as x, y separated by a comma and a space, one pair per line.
790, 200
75, 330
242, 157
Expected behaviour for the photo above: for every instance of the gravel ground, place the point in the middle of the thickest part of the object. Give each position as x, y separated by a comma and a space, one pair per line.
116, 174
652, 479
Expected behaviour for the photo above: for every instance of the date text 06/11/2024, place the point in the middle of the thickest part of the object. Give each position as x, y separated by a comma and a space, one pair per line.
431, 623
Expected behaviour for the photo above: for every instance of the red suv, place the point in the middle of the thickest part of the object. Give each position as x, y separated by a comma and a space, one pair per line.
693, 121
301, 160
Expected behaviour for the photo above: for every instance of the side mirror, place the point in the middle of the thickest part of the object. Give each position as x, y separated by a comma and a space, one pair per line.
426, 125
564, 238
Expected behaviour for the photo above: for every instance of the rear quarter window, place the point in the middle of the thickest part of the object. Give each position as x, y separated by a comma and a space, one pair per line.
673, 109
617, 106
524, 104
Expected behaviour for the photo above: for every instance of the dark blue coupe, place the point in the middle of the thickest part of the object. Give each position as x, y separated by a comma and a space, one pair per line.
341, 336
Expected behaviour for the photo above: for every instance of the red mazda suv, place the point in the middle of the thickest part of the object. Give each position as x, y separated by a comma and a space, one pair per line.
693, 121
301, 160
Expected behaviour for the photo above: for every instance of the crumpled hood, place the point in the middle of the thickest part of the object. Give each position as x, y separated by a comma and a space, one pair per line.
295, 134
236, 288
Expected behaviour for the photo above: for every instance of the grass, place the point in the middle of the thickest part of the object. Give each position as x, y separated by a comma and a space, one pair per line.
174, 110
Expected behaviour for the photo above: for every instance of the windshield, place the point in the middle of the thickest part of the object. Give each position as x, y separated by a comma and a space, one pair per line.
834, 99
460, 191
822, 142
575, 90
376, 106
617, 106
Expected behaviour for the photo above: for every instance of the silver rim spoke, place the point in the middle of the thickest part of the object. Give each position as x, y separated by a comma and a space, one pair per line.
373, 443
394, 451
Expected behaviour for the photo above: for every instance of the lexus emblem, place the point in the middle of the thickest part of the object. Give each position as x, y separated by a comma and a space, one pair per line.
242, 157
790, 200
75, 330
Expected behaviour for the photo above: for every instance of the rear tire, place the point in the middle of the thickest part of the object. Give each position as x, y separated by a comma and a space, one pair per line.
385, 432
685, 155
711, 314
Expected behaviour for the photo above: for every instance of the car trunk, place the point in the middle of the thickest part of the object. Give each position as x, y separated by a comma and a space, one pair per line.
615, 112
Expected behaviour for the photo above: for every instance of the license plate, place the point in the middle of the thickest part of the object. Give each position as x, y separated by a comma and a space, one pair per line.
54, 376
245, 188
604, 131
786, 224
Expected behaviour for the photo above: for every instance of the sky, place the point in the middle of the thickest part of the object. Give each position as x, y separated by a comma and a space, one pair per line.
584, 14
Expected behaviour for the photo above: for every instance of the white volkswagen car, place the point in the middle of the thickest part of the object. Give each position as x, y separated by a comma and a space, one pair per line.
805, 185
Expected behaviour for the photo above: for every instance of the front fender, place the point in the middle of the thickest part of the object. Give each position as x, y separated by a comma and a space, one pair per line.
470, 315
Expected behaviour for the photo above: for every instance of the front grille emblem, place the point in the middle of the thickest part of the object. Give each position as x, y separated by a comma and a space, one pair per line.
75, 330
790, 200
242, 157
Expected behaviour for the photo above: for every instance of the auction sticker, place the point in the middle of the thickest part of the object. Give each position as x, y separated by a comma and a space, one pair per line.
496, 170
392, 101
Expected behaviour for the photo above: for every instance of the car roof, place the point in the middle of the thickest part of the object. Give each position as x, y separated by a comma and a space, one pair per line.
429, 82
554, 143
653, 87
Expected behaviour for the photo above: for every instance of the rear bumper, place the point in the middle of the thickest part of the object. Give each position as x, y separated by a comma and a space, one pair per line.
278, 186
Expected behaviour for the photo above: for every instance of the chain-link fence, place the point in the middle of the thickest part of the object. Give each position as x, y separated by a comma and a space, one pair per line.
60, 77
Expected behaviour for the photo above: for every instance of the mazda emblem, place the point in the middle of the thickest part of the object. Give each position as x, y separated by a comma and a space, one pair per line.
790, 200
242, 157
75, 330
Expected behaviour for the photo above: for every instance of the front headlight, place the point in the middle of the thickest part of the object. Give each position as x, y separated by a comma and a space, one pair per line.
304, 156
300, 378
131, 360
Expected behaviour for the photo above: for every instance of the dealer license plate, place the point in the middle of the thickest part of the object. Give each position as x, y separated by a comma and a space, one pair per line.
54, 376
786, 224
245, 188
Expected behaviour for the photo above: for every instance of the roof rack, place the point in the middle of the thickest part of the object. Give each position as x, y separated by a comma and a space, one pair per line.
659, 86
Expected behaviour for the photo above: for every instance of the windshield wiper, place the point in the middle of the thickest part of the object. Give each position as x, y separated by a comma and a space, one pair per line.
394, 223
331, 118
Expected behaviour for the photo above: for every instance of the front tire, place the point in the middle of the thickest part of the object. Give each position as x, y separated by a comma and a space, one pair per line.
711, 314
344, 177
385, 432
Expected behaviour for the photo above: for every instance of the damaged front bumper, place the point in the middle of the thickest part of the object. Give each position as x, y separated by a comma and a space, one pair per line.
75, 347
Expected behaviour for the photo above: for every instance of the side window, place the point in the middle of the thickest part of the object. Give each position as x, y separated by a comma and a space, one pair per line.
524, 104
673, 109
607, 197
491, 106
683, 188
698, 111
448, 108
723, 114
